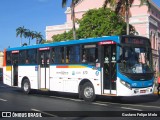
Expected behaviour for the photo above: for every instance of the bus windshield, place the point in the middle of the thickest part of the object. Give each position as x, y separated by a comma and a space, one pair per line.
135, 60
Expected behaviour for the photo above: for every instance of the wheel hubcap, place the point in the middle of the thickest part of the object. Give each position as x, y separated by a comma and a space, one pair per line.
88, 92
26, 86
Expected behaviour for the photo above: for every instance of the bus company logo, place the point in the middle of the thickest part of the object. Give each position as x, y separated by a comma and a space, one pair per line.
85, 72
78, 72
62, 73
97, 73
36, 68
73, 72
134, 84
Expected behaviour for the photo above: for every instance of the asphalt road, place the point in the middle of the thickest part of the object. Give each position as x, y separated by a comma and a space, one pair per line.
64, 106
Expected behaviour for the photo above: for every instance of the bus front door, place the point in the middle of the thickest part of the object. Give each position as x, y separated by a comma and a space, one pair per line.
44, 69
109, 69
15, 68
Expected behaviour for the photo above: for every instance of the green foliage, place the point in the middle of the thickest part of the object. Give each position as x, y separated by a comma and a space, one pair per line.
26, 33
96, 23
100, 22
63, 37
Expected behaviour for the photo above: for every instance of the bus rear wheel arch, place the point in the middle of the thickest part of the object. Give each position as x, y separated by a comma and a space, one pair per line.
26, 87
87, 92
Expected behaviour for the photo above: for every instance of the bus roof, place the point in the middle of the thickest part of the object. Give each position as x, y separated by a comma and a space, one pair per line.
69, 42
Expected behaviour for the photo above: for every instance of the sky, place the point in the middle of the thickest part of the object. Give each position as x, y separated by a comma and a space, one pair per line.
34, 15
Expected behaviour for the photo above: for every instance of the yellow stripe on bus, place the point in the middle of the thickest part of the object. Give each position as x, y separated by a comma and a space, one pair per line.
8, 68
77, 66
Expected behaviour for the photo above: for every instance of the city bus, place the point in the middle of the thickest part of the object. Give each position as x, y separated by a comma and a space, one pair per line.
107, 66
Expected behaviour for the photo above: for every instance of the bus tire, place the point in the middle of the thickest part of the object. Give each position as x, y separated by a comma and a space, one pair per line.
87, 92
26, 86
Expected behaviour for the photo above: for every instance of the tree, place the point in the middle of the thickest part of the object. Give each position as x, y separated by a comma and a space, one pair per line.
38, 36
97, 23
73, 3
20, 31
101, 22
122, 7
30, 35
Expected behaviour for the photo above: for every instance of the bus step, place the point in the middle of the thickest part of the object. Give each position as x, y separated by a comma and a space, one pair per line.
44, 89
109, 94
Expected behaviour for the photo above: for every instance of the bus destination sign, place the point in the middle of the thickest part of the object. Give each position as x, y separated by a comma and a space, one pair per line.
109, 42
137, 41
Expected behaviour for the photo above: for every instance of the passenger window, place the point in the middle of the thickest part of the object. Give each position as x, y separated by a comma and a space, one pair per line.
73, 54
52, 55
22, 57
31, 56
89, 54
59, 55
8, 58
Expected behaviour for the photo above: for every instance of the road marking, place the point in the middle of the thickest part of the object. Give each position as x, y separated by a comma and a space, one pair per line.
78, 100
131, 105
51, 115
95, 103
105, 103
131, 108
3, 100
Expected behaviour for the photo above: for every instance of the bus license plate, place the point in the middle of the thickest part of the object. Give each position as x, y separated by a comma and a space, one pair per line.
142, 91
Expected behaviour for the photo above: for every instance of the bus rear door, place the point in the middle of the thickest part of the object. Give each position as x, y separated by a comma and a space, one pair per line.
15, 68
44, 57
108, 62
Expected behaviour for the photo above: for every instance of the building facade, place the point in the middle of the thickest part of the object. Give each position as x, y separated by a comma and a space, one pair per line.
146, 22
1, 59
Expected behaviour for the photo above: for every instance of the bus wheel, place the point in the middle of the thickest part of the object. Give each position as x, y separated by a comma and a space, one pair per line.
88, 93
26, 86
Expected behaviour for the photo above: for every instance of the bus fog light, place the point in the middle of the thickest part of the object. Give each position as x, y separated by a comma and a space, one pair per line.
136, 91
126, 84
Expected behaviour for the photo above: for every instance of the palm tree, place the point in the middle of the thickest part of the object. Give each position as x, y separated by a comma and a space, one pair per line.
122, 7
38, 36
73, 3
30, 35
20, 31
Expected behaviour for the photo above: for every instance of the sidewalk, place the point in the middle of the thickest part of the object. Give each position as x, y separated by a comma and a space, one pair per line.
155, 90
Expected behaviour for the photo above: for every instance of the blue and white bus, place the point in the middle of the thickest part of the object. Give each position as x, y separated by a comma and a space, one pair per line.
109, 66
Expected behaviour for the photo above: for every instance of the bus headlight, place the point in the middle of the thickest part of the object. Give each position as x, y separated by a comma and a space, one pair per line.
126, 84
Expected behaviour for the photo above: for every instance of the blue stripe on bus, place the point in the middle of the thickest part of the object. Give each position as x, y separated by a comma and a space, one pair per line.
136, 84
71, 42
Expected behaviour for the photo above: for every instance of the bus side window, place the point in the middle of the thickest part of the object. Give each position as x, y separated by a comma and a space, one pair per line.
75, 54
62, 58
67, 55
52, 55
27, 61
32, 56
90, 53
84, 57
22, 57
59, 55
8, 58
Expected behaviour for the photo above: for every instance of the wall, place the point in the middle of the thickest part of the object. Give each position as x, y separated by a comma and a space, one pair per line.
1, 59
